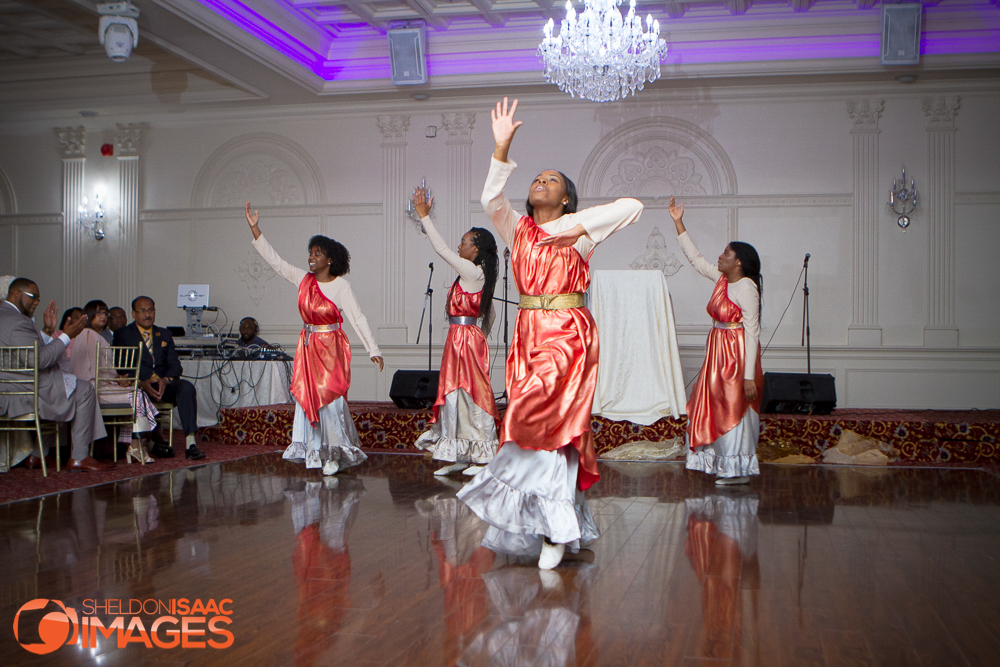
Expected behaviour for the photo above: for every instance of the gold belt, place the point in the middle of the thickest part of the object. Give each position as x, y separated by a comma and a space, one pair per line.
727, 325
551, 301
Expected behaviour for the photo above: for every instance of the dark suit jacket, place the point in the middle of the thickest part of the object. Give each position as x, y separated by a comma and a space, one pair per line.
164, 360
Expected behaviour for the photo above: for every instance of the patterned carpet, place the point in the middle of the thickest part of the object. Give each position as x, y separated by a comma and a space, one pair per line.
924, 438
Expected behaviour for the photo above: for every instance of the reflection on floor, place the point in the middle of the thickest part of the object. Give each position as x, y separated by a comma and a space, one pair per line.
382, 566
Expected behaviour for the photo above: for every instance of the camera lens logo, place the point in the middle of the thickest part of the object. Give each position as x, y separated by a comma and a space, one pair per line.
41, 626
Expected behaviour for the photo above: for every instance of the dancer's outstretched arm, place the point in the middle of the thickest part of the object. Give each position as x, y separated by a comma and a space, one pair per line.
471, 275
292, 274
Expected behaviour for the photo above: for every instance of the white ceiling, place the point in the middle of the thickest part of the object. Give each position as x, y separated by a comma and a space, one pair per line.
212, 53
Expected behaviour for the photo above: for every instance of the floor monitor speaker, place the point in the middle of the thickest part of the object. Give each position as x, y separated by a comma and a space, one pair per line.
414, 389
799, 393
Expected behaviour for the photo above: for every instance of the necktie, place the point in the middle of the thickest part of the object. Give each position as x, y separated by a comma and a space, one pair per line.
148, 340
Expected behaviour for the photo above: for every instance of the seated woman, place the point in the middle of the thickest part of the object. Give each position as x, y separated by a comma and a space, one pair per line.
82, 354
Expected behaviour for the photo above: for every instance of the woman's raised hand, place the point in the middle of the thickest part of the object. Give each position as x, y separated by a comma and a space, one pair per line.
504, 127
563, 239
252, 219
421, 202
677, 213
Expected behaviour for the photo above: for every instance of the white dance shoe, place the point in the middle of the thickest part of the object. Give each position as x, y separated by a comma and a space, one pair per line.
454, 467
551, 555
725, 481
472, 470
331, 468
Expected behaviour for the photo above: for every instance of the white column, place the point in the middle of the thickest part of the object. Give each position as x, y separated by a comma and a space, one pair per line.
459, 127
72, 141
940, 330
127, 138
392, 331
864, 330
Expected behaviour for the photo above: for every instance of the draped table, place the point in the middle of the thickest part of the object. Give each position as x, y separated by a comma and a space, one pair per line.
639, 377
236, 384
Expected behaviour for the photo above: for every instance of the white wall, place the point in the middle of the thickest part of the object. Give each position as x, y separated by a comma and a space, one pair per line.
776, 167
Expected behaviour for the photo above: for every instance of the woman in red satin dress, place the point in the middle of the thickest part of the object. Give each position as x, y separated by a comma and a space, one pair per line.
723, 410
323, 432
464, 425
531, 494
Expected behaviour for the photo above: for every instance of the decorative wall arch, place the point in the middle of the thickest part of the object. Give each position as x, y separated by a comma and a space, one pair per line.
657, 156
267, 169
8, 200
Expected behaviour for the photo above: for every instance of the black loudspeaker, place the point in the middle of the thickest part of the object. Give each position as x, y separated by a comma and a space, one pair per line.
799, 393
901, 33
406, 55
414, 389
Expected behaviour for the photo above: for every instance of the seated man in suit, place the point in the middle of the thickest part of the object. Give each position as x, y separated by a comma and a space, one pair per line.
61, 396
160, 374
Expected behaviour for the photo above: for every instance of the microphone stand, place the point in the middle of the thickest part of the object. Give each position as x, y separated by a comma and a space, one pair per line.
506, 302
806, 333
428, 300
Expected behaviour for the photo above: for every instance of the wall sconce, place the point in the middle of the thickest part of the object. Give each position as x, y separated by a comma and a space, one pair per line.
902, 201
411, 212
92, 219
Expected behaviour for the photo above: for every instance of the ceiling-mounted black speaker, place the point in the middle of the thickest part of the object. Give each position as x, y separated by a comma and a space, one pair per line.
406, 52
901, 33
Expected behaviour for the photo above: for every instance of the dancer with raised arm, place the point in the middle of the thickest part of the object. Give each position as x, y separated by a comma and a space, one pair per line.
531, 494
323, 432
464, 430
724, 408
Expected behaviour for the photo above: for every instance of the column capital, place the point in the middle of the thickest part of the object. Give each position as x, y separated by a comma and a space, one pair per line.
127, 139
393, 128
940, 112
72, 140
864, 114
459, 125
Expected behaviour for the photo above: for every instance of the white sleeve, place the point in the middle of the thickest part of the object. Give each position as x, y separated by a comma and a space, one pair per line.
494, 202
744, 294
346, 301
698, 261
600, 222
292, 274
472, 279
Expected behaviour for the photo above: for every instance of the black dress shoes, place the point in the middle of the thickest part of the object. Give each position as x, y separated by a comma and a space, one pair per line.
162, 450
194, 453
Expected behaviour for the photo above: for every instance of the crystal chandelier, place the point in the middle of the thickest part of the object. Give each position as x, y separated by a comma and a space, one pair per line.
599, 55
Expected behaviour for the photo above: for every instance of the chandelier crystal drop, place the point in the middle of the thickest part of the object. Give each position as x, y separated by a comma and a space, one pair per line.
600, 56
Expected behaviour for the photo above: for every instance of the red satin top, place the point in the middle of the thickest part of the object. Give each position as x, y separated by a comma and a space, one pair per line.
465, 362
552, 367
322, 370
718, 401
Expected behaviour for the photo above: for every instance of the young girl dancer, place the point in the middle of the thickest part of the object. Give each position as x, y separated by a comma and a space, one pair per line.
723, 411
323, 431
465, 415
531, 494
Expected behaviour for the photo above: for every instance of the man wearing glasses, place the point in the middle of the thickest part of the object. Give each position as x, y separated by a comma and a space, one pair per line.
61, 396
160, 374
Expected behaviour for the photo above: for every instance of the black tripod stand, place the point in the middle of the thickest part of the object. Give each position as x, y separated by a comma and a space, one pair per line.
505, 302
428, 301
806, 333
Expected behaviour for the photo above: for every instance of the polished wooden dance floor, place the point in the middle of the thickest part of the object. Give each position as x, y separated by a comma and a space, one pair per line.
381, 566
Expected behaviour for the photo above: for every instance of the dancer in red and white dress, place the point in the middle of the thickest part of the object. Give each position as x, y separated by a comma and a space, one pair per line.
464, 425
531, 494
724, 408
323, 432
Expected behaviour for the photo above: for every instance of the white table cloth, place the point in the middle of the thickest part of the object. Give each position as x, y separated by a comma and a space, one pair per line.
639, 376
236, 384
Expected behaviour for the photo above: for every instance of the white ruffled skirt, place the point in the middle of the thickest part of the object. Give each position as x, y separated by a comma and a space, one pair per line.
463, 432
526, 495
733, 454
336, 438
